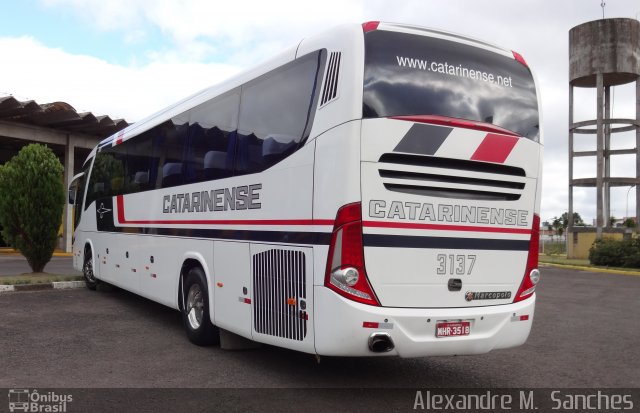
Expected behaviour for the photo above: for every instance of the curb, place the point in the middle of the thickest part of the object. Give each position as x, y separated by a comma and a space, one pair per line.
592, 269
56, 285
67, 285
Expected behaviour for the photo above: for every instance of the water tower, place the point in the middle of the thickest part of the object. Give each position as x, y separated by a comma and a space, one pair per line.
603, 54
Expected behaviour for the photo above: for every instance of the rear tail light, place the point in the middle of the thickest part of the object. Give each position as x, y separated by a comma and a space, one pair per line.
345, 273
370, 26
531, 272
519, 58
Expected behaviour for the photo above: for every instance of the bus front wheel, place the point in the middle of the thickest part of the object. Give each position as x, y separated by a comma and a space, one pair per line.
87, 271
195, 311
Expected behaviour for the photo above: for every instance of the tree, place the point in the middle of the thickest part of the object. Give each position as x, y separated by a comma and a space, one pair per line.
32, 197
629, 223
577, 220
557, 225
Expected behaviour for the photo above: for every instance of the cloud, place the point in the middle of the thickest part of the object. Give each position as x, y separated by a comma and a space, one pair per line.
239, 34
231, 26
32, 70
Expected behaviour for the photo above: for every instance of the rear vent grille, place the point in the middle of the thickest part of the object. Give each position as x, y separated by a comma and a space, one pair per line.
449, 163
385, 173
450, 183
330, 90
452, 193
279, 279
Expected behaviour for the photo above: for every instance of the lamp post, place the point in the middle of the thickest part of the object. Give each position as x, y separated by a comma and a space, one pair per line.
628, 191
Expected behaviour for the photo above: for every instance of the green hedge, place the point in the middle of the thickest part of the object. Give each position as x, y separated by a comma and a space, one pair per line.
32, 197
616, 253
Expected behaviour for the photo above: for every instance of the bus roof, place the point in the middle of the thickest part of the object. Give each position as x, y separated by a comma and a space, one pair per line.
282, 58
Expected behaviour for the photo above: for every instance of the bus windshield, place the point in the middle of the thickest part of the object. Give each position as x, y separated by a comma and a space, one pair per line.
408, 74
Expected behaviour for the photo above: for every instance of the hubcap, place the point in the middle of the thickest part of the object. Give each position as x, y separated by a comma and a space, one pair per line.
88, 270
195, 306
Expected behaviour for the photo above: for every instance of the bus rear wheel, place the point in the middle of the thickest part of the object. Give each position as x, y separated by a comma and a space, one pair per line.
195, 313
87, 271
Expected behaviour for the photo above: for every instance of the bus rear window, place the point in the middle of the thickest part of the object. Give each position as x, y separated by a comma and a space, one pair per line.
408, 74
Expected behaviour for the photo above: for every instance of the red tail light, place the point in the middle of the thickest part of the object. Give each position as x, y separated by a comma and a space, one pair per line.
370, 26
519, 58
531, 274
346, 273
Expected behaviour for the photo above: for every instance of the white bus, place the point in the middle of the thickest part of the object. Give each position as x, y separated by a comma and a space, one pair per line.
372, 191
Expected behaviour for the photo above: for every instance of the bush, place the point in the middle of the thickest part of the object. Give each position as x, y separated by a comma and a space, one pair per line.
616, 253
31, 201
632, 256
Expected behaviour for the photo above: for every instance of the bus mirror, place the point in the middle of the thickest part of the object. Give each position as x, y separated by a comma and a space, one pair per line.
72, 196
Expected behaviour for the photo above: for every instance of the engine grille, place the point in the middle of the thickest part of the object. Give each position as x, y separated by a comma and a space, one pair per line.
279, 280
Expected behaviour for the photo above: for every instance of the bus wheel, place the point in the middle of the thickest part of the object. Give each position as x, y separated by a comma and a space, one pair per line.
87, 271
195, 314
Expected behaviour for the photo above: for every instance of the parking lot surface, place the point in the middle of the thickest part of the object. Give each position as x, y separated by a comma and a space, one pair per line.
585, 335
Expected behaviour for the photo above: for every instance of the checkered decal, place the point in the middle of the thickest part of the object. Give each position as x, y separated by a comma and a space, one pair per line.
456, 143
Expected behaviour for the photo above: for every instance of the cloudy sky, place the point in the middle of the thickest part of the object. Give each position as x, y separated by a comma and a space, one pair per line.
130, 58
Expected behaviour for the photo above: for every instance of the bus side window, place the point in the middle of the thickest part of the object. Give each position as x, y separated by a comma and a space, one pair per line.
276, 110
141, 164
172, 168
107, 176
212, 126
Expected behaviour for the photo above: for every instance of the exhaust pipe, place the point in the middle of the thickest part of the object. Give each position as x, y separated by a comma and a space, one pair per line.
380, 343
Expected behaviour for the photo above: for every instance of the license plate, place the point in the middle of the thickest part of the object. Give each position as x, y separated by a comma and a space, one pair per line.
453, 329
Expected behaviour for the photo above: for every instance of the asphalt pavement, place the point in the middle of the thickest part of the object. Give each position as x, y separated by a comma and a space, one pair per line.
585, 335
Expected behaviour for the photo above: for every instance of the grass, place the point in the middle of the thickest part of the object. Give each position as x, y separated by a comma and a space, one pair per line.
37, 278
563, 260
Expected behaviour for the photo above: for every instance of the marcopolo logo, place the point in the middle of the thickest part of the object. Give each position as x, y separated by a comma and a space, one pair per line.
25, 400
487, 295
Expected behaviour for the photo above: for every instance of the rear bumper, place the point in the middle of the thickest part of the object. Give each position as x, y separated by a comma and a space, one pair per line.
339, 330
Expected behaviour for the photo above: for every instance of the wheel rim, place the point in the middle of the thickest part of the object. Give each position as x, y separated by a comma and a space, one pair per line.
87, 270
195, 306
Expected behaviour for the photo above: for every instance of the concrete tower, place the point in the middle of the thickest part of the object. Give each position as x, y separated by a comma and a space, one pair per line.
602, 54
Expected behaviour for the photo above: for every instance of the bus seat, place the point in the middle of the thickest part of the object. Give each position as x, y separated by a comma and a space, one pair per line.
171, 174
215, 165
141, 177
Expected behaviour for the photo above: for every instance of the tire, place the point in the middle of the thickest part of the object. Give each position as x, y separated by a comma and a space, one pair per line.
195, 311
87, 271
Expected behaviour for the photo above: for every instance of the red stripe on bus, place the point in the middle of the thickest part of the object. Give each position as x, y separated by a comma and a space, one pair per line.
120, 202
494, 148
456, 123
119, 138
444, 227
318, 222
277, 222
266, 222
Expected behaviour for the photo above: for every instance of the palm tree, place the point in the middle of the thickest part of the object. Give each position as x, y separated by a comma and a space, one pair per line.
557, 226
577, 220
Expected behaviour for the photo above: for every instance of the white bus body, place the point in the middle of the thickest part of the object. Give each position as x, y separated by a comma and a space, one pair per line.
373, 191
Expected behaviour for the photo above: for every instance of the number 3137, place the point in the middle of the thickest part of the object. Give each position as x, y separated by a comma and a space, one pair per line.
458, 264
